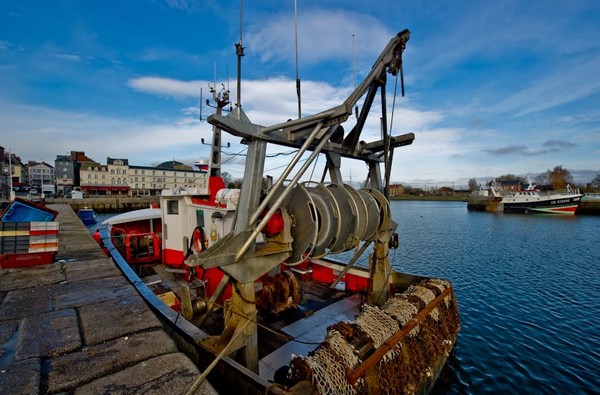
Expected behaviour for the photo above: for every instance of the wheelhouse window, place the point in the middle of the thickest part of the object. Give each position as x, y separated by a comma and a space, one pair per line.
172, 207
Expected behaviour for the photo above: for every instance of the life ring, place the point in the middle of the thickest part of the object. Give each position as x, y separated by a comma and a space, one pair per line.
198, 240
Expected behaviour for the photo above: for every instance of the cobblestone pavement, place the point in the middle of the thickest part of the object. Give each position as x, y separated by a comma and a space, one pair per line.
77, 326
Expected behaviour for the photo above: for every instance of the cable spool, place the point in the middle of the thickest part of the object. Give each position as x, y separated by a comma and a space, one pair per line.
304, 230
332, 219
329, 221
372, 211
367, 211
383, 206
348, 218
279, 292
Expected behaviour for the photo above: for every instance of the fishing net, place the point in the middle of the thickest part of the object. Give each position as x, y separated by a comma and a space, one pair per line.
400, 308
378, 325
329, 369
405, 367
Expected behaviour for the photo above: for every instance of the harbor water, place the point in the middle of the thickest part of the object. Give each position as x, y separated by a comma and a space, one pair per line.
528, 289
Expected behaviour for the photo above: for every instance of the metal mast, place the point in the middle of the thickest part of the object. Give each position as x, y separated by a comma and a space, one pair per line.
239, 50
297, 72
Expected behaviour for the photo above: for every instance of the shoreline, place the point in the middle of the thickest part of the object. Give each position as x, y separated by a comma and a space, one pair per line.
449, 198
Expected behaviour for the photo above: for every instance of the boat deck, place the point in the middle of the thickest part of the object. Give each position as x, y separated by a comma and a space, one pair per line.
293, 331
308, 332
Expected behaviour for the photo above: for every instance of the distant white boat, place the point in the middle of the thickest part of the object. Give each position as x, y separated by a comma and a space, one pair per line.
532, 200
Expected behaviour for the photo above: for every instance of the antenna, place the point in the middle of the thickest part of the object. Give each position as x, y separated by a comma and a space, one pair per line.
239, 50
402, 78
11, 193
350, 168
354, 68
228, 145
227, 75
297, 73
200, 118
354, 60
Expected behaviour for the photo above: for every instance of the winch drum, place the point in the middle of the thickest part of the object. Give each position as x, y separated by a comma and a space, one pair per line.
329, 219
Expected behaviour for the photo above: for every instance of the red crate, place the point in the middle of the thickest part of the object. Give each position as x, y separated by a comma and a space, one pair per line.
26, 259
356, 283
323, 274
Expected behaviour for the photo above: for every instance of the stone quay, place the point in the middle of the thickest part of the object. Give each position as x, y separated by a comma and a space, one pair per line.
77, 326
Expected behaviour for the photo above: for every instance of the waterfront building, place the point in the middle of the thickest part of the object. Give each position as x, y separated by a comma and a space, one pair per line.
64, 173
148, 181
510, 185
40, 176
80, 159
95, 179
12, 171
76, 171
118, 177
67, 169
396, 189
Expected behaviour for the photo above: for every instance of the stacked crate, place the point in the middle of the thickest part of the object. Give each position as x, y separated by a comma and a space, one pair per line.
28, 235
27, 243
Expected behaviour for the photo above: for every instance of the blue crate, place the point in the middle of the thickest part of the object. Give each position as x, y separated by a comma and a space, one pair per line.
21, 210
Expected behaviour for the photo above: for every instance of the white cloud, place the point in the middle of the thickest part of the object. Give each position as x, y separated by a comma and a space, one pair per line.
67, 57
162, 86
563, 83
269, 102
466, 80
323, 35
57, 132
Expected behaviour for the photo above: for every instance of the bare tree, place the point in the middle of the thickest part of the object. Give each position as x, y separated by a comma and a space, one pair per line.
473, 184
542, 178
226, 177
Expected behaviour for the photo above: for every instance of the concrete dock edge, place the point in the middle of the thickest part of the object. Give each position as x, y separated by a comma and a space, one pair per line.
77, 326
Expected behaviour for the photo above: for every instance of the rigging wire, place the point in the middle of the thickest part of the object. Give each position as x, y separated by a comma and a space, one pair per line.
354, 68
273, 155
255, 321
388, 164
394, 103
287, 164
314, 167
281, 154
231, 156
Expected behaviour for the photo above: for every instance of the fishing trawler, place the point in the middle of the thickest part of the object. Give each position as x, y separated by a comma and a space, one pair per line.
532, 200
244, 280
528, 200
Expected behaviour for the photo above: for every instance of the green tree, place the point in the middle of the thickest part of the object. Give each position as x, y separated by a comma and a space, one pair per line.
559, 177
509, 177
237, 183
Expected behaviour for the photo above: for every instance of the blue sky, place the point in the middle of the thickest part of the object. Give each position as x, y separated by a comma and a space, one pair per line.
492, 87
